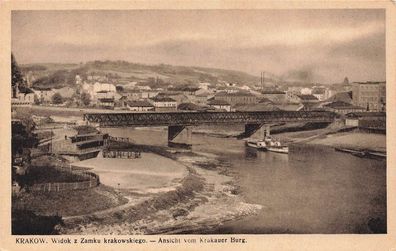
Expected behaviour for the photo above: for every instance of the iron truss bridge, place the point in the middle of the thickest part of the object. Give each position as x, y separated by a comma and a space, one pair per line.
122, 119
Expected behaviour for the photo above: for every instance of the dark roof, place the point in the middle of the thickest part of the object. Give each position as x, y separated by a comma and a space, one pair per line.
218, 102
163, 99
205, 94
42, 88
341, 105
139, 104
272, 92
106, 99
189, 89
265, 100
366, 114
307, 97
319, 90
189, 107
26, 90
257, 107
102, 91
341, 96
241, 94
370, 82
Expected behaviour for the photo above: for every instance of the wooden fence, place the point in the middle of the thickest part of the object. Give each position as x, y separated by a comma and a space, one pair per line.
121, 154
119, 139
67, 186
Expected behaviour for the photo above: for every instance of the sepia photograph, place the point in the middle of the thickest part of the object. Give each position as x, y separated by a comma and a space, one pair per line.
211, 122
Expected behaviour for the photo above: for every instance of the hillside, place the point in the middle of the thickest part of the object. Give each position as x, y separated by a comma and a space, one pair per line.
121, 72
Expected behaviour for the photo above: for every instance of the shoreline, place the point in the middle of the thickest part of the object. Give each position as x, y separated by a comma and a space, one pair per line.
182, 210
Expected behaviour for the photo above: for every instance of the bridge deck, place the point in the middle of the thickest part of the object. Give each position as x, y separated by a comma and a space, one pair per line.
199, 118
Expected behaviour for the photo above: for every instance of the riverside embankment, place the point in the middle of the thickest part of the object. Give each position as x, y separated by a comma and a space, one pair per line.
204, 198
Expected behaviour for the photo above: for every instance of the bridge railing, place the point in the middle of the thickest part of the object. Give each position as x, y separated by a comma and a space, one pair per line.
197, 118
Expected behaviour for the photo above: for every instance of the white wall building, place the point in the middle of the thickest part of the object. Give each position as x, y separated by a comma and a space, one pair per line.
306, 91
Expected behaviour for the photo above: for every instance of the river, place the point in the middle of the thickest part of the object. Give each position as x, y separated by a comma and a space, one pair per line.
323, 192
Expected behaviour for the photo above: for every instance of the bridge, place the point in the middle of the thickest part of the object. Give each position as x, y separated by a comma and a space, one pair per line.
178, 121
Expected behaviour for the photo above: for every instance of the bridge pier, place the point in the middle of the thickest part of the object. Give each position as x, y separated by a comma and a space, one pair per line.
267, 130
184, 135
261, 130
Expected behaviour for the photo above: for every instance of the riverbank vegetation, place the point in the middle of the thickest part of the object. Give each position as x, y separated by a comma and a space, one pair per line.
26, 222
67, 203
189, 186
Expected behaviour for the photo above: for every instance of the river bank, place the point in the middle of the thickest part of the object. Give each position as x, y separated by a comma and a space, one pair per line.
205, 198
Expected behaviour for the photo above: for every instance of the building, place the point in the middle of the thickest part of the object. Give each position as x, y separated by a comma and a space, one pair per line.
204, 85
148, 94
140, 106
309, 102
370, 121
308, 99
320, 93
80, 146
275, 96
177, 96
371, 95
220, 105
99, 90
44, 95
132, 95
121, 103
22, 96
97, 87
341, 96
236, 98
201, 99
187, 90
107, 103
342, 107
189, 107
163, 103
105, 94
306, 91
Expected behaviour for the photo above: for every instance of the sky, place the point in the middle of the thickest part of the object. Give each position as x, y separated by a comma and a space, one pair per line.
310, 45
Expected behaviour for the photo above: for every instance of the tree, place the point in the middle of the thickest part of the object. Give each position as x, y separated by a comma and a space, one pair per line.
37, 100
346, 81
16, 75
57, 98
22, 138
119, 88
85, 98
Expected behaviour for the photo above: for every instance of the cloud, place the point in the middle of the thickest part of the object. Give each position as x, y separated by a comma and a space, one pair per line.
313, 45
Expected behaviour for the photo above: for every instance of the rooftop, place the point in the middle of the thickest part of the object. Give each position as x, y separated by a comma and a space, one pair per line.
106, 100
273, 92
265, 100
189, 107
366, 114
26, 90
307, 97
319, 91
217, 102
235, 94
162, 99
139, 104
341, 96
370, 82
42, 88
342, 105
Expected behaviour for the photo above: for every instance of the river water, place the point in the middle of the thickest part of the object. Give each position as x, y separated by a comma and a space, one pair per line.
305, 192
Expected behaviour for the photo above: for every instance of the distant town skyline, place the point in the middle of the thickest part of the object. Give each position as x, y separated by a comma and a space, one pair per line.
306, 45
